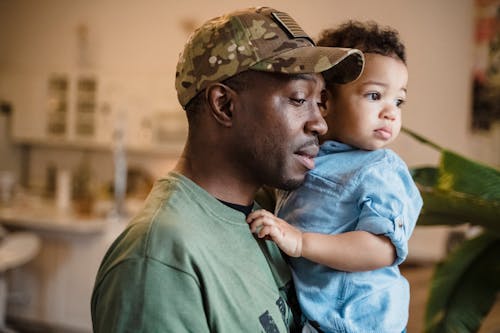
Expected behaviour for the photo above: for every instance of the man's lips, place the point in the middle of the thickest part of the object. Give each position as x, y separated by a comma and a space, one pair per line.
306, 155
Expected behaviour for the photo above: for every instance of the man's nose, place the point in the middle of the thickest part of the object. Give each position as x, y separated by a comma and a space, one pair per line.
316, 123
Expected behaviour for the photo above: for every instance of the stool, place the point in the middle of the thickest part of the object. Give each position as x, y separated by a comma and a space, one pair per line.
16, 249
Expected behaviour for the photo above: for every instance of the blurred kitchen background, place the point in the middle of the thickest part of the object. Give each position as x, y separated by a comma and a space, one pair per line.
89, 118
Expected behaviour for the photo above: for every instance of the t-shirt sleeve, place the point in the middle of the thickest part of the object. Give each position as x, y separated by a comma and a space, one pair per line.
144, 295
390, 203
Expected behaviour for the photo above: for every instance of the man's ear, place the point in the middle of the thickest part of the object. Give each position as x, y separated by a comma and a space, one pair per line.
221, 102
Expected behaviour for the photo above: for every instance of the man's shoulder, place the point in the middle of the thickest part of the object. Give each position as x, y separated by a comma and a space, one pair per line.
160, 225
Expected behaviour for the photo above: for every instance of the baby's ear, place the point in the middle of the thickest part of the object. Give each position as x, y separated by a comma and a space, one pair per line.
221, 101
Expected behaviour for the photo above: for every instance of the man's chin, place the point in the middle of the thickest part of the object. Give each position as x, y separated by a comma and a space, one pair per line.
290, 184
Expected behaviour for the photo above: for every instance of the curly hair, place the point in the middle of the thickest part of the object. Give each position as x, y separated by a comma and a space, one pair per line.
369, 37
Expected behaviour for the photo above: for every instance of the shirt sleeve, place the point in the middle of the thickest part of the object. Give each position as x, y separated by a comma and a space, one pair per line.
390, 203
143, 295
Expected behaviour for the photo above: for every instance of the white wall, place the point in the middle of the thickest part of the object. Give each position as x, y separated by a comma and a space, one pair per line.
141, 40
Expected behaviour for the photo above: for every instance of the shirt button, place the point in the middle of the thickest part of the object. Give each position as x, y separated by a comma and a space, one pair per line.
399, 222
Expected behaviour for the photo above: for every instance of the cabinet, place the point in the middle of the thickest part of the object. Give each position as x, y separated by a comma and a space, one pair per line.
90, 110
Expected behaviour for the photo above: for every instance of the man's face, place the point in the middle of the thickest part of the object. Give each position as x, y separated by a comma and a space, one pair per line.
278, 120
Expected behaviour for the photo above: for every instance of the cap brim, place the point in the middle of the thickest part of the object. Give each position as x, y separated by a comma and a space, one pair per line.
339, 65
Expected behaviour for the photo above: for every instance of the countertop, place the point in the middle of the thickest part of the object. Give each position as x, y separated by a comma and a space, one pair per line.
43, 215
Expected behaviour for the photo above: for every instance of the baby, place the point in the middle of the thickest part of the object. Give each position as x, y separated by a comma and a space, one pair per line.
346, 229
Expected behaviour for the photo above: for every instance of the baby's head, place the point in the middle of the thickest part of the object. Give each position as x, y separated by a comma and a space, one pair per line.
366, 113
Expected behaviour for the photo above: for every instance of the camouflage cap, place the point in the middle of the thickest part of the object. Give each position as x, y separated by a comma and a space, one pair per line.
261, 39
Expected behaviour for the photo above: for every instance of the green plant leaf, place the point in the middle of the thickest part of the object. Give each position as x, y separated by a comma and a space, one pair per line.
426, 177
453, 208
446, 207
462, 175
420, 138
458, 191
466, 284
464, 287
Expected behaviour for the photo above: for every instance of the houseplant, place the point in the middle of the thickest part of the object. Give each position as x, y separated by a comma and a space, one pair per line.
466, 284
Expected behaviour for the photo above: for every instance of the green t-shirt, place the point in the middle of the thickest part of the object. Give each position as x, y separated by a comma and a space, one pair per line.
188, 263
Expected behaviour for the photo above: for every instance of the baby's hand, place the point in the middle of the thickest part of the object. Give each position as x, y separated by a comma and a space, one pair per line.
266, 225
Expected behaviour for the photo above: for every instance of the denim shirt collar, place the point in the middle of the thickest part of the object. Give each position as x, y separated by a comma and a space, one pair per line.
329, 147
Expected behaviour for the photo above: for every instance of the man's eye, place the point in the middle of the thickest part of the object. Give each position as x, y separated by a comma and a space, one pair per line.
298, 101
373, 96
400, 102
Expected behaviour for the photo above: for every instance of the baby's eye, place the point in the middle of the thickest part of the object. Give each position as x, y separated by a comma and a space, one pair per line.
373, 96
400, 102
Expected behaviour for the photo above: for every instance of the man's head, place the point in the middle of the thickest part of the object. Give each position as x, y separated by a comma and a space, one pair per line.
250, 83
261, 39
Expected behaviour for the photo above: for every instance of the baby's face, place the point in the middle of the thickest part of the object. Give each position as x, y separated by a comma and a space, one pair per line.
366, 113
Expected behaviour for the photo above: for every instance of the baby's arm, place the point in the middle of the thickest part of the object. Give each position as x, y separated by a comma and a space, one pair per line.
351, 251
267, 225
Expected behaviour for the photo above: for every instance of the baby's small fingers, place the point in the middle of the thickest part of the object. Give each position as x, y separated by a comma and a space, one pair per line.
252, 216
260, 222
255, 225
258, 213
265, 231
267, 220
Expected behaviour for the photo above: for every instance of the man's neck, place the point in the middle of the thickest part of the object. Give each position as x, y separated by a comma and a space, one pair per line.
245, 209
217, 180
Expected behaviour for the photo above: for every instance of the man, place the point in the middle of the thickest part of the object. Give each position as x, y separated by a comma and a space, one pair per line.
188, 262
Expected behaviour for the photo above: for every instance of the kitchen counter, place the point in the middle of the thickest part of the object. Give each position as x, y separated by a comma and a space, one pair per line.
54, 288
48, 218
39, 214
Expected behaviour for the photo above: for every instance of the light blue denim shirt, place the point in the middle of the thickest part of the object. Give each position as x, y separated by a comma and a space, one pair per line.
352, 189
